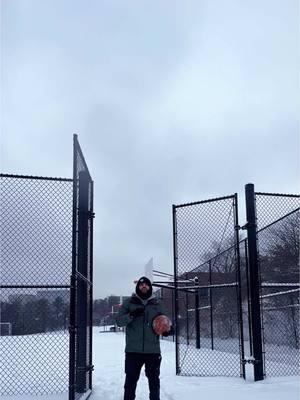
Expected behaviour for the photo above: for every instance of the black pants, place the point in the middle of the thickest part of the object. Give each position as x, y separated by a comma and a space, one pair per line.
133, 366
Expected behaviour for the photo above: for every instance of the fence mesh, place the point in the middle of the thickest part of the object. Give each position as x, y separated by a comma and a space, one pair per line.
207, 274
167, 297
36, 251
278, 219
36, 231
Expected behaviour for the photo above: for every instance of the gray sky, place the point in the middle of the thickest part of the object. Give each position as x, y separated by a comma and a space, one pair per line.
173, 101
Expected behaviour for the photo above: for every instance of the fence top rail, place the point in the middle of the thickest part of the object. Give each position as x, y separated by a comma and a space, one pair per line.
42, 178
204, 201
35, 286
159, 285
279, 293
279, 284
222, 285
277, 194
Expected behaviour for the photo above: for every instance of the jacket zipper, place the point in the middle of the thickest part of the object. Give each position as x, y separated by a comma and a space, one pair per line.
144, 328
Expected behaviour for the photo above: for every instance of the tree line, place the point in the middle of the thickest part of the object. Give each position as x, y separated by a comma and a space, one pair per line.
31, 315
35, 316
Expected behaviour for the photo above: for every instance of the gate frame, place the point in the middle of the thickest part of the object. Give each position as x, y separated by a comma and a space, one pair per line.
82, 224
28, 286
236, 229
81, 279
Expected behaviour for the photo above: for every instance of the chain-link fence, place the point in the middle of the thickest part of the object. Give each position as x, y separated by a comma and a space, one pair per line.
46, 276
208, 308
167, 296
278, 218
223, 284
36, 257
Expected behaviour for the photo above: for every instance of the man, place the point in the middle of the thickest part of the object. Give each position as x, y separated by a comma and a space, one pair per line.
142, 344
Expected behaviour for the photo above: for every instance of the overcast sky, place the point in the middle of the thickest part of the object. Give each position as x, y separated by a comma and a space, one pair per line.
173, 101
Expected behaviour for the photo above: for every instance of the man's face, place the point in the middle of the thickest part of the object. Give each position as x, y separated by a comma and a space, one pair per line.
144, 288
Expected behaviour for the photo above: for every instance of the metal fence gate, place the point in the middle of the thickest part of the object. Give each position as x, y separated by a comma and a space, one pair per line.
41, 346
81, 315
207, 280
233, 295
278, 232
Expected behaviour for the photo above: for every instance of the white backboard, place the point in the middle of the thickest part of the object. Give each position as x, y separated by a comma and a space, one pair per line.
148, 269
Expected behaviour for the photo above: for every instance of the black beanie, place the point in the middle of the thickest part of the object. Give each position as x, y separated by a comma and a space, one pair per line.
139, 293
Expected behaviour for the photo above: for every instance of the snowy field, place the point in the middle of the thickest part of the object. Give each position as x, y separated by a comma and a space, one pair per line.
108, 379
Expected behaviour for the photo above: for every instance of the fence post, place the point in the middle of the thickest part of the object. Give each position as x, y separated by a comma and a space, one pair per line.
91, 273
82, 298
254, 282
72, 336
248, 297
187, 314
197, 319
239, 285
176, 300
211, 309
173, 312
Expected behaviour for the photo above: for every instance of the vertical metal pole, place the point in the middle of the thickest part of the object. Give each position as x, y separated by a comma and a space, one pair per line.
82, 298
254, 283
295, 319
72, 340
211, 309
91, 269
248, 298
72, 315
173, 311
187, 314
175, 255
197, 319
239, 289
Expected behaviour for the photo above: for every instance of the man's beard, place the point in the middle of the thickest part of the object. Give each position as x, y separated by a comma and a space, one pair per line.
144, 295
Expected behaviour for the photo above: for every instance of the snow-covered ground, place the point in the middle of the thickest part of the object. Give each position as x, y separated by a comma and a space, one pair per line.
108, 379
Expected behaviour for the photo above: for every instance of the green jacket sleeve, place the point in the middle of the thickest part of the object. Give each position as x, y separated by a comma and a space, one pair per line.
123, 318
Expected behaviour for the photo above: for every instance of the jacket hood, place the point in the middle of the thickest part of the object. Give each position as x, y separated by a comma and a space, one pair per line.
144, 296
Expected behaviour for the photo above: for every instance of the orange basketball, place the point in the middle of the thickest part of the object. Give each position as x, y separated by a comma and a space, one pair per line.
161, 324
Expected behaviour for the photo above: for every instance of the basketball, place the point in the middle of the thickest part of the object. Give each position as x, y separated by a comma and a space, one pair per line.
161, 324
